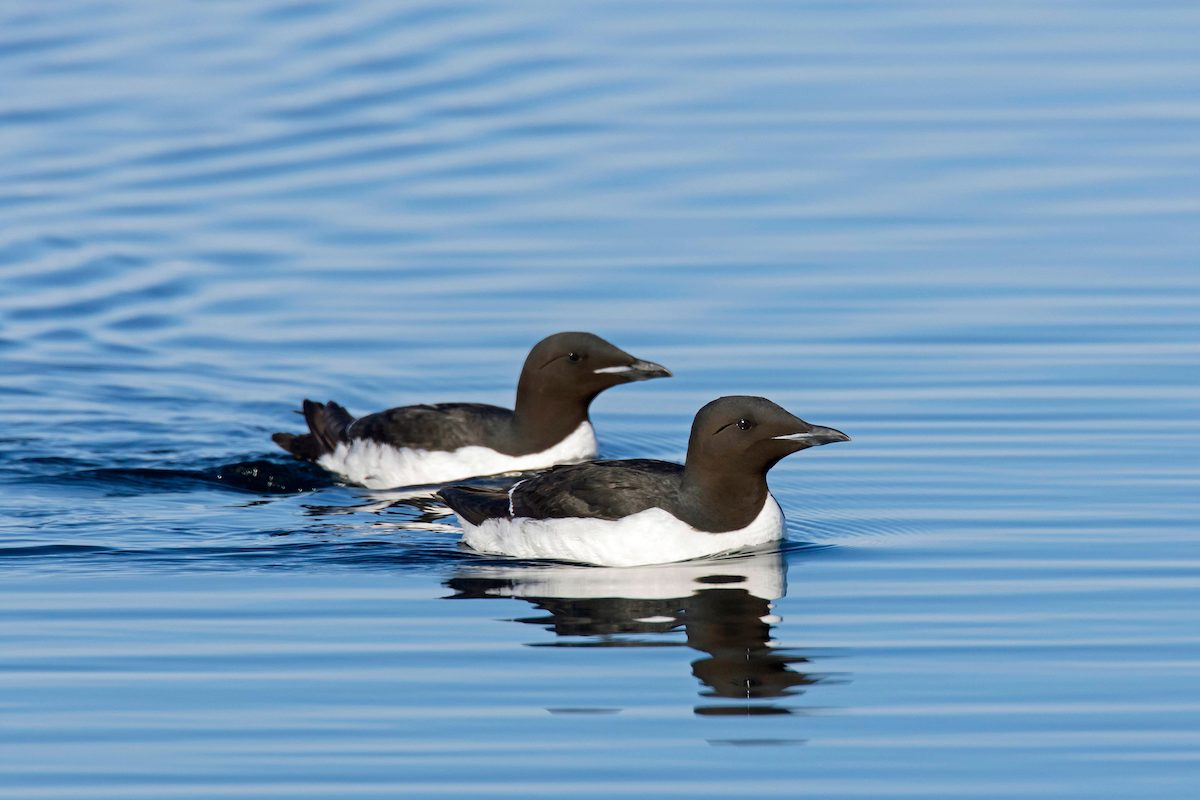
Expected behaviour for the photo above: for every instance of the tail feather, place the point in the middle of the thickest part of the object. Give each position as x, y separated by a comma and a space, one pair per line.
475, 505
301, 445
327, 425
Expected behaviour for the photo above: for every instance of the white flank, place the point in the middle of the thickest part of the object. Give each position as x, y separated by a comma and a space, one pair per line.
762, 575
652, 536
382, 466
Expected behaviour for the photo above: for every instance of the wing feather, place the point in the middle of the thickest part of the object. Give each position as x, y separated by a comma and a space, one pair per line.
475, 504
443, 426
598, 489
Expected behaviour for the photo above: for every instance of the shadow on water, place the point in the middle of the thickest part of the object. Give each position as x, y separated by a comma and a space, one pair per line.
723, 607
258, 476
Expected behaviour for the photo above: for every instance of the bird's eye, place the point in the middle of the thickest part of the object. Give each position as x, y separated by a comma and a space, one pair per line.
572, 356
745, 424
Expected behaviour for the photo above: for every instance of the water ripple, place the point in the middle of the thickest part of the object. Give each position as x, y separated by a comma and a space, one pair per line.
961, 233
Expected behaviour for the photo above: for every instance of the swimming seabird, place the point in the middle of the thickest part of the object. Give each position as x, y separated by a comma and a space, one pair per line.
423, 444
643, 511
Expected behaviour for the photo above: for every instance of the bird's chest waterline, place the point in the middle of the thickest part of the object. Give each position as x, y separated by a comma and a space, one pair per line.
377, 465
652, 536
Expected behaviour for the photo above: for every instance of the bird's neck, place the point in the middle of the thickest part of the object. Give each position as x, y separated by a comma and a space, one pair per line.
542, 419
722, 500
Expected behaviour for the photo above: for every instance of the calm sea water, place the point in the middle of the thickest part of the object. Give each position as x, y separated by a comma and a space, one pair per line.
965, 233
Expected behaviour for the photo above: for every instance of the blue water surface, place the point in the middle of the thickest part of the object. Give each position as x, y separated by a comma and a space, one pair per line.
963, 232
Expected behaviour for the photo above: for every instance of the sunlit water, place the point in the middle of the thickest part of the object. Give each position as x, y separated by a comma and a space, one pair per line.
965, 233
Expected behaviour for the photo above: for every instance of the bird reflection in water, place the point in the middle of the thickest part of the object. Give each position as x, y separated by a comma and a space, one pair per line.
723, 606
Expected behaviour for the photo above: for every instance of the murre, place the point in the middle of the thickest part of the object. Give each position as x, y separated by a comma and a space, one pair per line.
643, 511
424, 444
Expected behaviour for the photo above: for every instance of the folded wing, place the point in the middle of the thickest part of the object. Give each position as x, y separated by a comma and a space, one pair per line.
443, 426
597, 490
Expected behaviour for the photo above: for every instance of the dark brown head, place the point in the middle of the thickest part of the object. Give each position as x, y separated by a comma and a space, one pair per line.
749, 435
582, 365
564, 373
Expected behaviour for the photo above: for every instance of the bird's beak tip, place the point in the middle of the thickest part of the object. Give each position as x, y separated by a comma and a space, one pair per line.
817, 435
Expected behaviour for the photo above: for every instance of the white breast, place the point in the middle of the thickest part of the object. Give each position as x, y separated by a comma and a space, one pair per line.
382, 466
648, 537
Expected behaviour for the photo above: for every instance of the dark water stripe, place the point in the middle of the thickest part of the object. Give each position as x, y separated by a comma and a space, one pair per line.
255, 477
